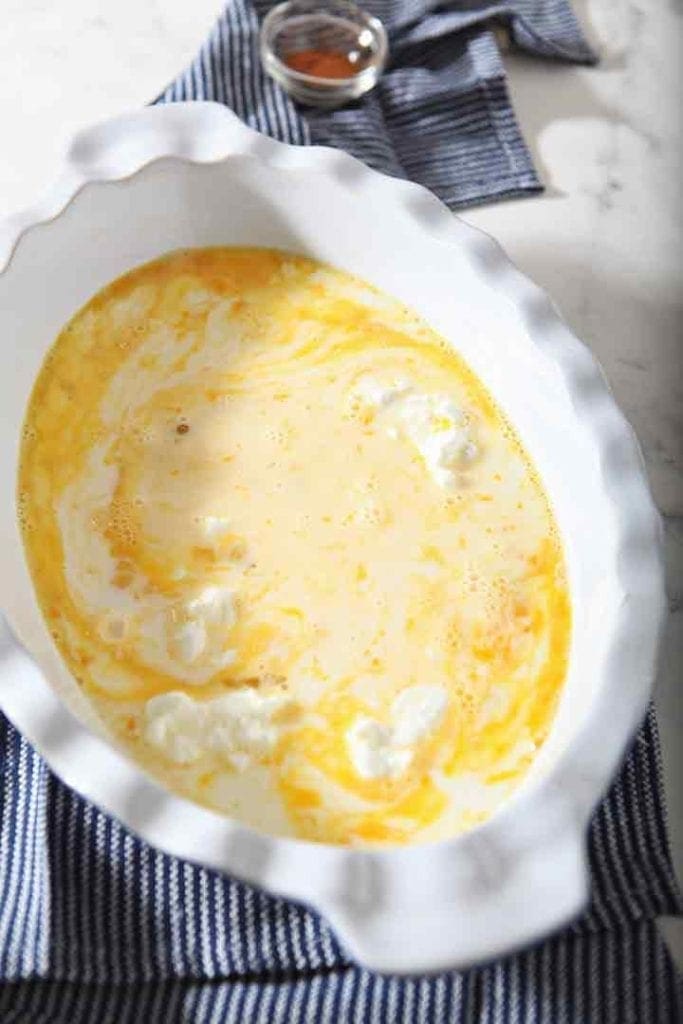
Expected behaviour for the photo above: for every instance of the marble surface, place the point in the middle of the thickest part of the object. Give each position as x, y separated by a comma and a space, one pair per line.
605, 239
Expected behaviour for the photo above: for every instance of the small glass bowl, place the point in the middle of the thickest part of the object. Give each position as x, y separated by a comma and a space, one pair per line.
291, 30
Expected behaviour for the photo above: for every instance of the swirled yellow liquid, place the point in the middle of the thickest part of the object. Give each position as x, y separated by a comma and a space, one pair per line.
292, 551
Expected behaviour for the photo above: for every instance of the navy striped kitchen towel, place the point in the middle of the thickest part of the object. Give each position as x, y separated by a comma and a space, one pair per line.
96, 927
440, 115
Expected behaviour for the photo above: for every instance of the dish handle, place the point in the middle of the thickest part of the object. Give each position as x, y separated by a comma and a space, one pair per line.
202, 132
434, 916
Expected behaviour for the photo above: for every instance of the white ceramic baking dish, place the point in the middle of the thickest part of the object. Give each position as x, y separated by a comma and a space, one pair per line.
193, 175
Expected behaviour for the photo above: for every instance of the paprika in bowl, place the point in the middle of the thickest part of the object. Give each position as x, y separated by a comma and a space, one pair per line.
323, 55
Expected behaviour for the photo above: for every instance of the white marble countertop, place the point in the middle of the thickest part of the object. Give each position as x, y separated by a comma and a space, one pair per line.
605, 240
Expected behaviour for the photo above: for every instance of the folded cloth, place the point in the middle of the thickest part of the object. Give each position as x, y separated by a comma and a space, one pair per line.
96, 927
440, 114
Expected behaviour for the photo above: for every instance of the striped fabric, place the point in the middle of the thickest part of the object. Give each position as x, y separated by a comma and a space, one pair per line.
588, 980
440, 114
95, 927
98, 928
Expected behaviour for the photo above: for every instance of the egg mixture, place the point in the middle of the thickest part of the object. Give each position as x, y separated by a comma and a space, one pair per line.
291, 550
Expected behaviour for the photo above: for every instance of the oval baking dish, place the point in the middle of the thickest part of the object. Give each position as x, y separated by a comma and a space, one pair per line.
189, 175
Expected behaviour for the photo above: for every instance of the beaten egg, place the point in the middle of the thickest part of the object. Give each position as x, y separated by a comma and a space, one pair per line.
292, 551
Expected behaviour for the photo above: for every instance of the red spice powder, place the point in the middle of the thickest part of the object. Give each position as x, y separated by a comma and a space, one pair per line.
321, 63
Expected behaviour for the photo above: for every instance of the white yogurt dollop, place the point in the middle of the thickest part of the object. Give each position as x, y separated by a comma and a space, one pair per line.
189, 640
173, 725
380, 751
372, 750
431, 422
240, 728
